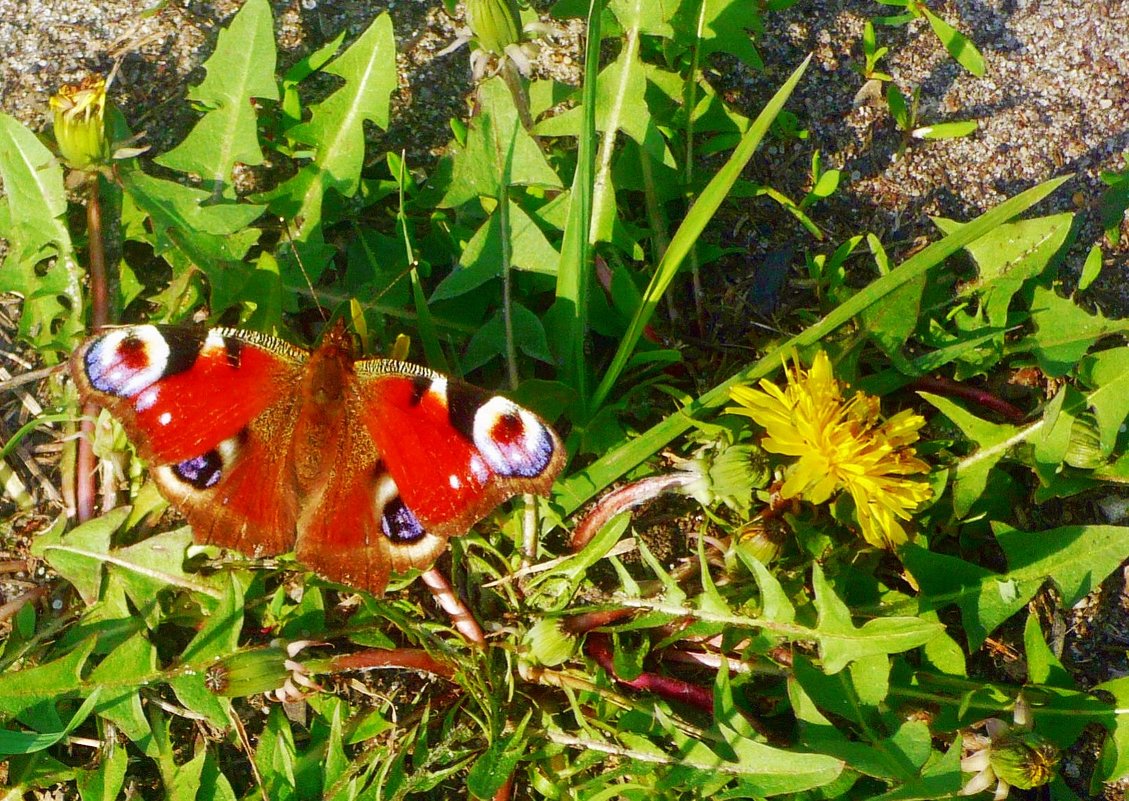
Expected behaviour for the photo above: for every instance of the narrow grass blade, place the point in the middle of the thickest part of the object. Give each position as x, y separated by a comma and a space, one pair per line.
691, 228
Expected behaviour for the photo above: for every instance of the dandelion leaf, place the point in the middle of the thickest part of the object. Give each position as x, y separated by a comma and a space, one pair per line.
240, 69
1064, 332
841, 642
33, 226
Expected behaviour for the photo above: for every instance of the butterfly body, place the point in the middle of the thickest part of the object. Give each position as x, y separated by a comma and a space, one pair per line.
360, 467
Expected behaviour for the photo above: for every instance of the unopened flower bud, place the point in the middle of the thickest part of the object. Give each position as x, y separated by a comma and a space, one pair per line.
249, 672
1023, 759
80, 124
496, 24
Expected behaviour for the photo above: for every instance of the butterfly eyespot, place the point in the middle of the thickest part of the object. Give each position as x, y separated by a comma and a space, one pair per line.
514, 443
127, 362
206, 470
397, 521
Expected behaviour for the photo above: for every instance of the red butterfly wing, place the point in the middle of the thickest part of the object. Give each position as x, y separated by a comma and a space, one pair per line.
454, 451
213, 412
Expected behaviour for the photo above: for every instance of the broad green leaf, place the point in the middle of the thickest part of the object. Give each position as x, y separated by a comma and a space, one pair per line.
994, 441
146, 568
240, 69
218, 637
940, 778
841, 642
1043, 667
20, 742
336, 132
104, 782
1010, 255
1113, 764
1064, 331
119, 677
34, 229
189, 231
498, 149
481, 259
760, 770
497, 763
489, 341
722, 26
23, 689
1076, 558
75, 555
1107, 372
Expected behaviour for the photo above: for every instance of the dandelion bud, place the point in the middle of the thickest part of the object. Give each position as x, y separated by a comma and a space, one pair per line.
1084, 450
1023, 759
249, 672
548, 643
496, 24
80, 125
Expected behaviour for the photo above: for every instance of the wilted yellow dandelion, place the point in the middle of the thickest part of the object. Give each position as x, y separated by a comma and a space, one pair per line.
840, 444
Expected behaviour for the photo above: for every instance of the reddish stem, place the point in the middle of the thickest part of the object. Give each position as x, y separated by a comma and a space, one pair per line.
586, 621
954, 389
626, 497
599, 647
404, 658
85, 461
461, 616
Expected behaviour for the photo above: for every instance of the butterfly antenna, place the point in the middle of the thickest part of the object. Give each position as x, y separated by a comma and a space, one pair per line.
302, 267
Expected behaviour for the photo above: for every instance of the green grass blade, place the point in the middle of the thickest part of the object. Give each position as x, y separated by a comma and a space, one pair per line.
576, 251
578, 488
691, 228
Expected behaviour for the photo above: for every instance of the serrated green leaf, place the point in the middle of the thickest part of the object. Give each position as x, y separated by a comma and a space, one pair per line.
1064, 331
35, 230
1076, 558
498, 149
1107, 372
240, 69
497, 763
1010, 255
1113, 764
104, 782
336, 132
23, 689
971, 472
841, 642
119, 676
481, 259
21, 742
722, 26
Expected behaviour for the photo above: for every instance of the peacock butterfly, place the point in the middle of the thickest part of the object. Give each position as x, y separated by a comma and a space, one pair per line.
360, 467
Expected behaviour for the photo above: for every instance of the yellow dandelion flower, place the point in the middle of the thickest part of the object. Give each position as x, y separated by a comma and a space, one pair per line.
840, 444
